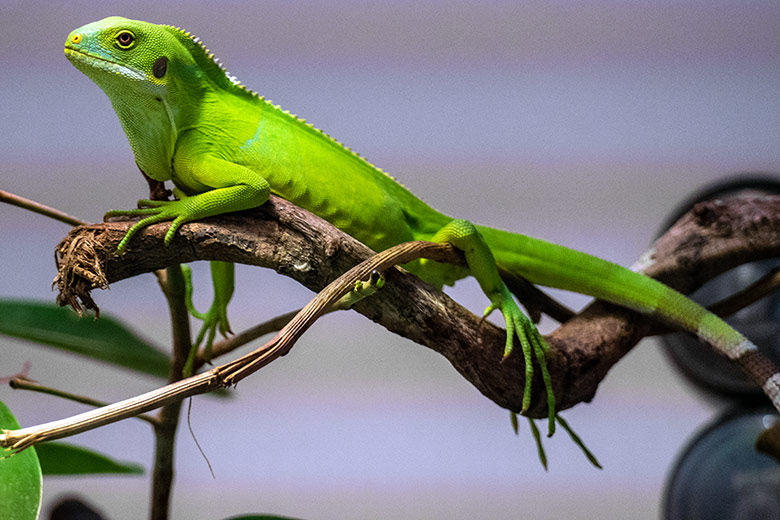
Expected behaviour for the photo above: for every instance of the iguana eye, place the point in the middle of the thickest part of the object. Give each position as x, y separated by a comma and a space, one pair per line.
125, 40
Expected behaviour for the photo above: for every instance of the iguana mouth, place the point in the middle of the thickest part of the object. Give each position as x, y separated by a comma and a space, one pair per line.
88, 55
100, 62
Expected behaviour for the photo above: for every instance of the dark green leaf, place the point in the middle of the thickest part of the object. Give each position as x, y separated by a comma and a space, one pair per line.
20, 478
105, 339
58, 458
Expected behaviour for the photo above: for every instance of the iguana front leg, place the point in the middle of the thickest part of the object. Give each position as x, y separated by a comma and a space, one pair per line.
463, 235
186, 209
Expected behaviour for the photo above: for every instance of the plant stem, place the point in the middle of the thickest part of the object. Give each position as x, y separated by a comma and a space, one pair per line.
165, 431
16, 200
18, 383
162, 480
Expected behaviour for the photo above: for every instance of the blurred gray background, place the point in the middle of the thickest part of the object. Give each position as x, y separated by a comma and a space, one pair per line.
583, 123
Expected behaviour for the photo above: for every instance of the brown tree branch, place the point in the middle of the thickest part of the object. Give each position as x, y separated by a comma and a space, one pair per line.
712, 238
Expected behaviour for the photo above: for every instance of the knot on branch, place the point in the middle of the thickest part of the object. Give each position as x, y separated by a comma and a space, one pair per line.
79, 258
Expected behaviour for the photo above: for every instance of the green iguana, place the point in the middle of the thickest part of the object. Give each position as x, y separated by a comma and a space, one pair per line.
226, 149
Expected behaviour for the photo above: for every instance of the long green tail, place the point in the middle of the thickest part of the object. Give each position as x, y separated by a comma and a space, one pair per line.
556, 266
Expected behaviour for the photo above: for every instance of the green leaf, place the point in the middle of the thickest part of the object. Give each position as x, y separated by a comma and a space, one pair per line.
20, 478
58, 458
105, 339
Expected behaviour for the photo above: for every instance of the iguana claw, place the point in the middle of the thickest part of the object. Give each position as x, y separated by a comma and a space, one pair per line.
532, 344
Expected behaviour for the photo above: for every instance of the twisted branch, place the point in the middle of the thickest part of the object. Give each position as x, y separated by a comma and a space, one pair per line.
712, 238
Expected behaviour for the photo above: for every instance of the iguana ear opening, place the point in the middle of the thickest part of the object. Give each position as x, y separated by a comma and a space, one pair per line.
159, 67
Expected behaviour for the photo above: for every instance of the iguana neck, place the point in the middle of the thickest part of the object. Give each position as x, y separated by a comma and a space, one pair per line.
151, 130
153, 123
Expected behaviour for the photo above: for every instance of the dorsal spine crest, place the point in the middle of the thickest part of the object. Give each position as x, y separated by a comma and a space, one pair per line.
222, 78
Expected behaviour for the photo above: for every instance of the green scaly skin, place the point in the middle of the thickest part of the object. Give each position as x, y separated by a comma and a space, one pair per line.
225, 149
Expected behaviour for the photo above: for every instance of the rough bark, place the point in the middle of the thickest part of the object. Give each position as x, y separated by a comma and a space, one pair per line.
712, 238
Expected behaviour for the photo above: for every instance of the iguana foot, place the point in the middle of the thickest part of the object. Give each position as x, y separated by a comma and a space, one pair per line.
362, 289
538, 439
215, 320
532, 344
179, 211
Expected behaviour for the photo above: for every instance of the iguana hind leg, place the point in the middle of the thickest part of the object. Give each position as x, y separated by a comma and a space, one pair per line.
464, 235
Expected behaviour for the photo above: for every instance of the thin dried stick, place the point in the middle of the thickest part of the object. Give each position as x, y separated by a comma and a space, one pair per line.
240, 339
230, 373
41, 209
19, 383
762, 287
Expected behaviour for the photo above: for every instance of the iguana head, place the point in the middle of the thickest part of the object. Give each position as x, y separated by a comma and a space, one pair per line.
154, 75
127, 57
